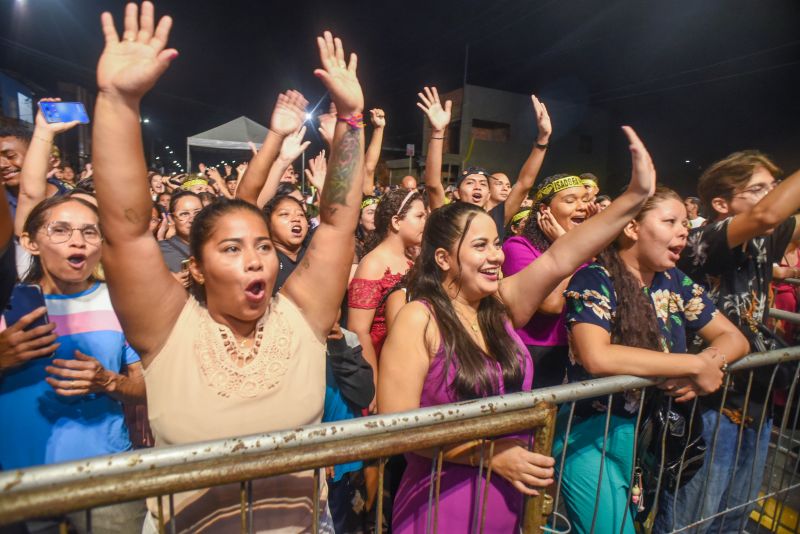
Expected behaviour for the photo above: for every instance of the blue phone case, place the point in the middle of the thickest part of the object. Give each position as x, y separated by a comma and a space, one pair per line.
24, 299
64, 112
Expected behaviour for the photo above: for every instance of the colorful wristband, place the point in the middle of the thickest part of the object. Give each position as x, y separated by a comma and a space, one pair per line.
355, 121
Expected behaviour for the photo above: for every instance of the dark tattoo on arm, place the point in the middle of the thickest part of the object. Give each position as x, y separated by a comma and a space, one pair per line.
132, 216
344, 165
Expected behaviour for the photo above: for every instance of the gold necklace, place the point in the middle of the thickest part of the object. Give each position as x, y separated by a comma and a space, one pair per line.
472, 324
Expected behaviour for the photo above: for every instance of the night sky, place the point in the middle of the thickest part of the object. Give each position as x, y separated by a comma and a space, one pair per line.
697, 78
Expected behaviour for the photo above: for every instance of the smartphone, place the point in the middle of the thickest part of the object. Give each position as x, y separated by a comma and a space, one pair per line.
24, 299
185, 265
64, 112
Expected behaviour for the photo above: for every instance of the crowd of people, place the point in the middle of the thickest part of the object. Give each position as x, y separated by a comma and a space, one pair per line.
230, 302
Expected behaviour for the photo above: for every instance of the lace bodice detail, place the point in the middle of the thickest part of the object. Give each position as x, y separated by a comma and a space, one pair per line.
231, 371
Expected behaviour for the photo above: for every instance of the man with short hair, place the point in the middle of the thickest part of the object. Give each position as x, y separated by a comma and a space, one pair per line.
693, 211
499, 188
592, 185
14, 141
751, 221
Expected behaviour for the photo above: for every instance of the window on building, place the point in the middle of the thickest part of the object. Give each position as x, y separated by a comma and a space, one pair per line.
483, 130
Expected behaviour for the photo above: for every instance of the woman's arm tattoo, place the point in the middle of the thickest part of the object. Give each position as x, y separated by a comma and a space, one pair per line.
344, 165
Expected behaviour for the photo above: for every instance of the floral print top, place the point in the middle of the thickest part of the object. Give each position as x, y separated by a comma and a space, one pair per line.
680, 304
738, 281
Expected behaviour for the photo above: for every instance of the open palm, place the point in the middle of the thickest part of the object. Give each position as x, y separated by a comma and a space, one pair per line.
339, 76
132, 66
643, 173
438, 115
289, 113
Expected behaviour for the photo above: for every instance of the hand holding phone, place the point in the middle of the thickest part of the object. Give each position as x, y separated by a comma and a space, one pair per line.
53, 110
23, 342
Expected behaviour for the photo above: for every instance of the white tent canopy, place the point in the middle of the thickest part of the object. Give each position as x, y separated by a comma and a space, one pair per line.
233, 135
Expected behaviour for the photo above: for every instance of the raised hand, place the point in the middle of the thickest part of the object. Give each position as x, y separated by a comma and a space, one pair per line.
643, 172
378, 118
317, 168
438, 116
240, 168
542, 121
293, 145
52, 128
130, 67
327, 123
289, 113
338, 76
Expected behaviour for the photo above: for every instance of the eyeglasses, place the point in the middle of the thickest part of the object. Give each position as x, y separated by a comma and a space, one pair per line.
61, 232
186, 215
758, 191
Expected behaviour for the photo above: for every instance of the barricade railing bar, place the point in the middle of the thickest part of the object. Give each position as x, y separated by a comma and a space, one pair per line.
68, 487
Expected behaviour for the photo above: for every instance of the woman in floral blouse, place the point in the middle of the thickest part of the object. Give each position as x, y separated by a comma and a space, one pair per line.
624, 312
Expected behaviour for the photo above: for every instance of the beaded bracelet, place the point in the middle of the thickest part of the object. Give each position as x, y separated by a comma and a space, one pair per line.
355, 121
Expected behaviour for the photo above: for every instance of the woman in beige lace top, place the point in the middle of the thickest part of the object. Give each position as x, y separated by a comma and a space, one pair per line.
229, 360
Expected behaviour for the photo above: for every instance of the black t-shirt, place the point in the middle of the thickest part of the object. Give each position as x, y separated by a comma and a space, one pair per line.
286, 265
738, 281
498, 215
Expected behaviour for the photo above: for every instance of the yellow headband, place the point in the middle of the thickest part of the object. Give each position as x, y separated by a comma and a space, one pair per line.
519, 216
188, 184
368, 202
588, 182
557, 185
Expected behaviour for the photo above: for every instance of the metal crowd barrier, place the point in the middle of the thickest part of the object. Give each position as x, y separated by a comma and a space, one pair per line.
58, 489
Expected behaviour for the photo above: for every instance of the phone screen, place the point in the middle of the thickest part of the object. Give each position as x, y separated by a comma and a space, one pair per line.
64, 112
25, 299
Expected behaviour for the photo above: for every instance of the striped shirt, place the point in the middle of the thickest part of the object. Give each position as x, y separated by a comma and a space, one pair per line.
42, 427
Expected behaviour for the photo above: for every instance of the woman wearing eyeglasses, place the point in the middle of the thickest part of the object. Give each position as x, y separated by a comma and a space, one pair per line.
68, 406
182, 208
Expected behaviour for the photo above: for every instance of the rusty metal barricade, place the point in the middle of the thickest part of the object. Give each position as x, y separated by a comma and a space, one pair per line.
94, 482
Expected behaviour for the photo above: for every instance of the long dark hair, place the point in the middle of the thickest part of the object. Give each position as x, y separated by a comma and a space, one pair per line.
532, 231
635, 324
474, 371
389, 205
36, 220
204, 224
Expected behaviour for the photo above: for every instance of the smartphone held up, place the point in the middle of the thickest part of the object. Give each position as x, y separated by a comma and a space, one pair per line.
64, 112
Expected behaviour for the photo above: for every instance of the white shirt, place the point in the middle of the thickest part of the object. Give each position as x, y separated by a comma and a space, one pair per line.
696, 223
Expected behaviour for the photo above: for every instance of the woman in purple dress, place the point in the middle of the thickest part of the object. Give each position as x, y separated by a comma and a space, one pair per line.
455, 341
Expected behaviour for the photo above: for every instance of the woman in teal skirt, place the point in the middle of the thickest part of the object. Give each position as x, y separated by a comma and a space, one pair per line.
628, 314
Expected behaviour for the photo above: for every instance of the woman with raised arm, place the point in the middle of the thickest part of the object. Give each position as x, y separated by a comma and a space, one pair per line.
33, 183
473, 184
373, 154
229, 347
291, 148
560, 205
628, 314
455, 341
65, 394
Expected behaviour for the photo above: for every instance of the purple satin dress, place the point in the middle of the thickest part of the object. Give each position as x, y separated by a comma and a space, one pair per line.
457, 505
